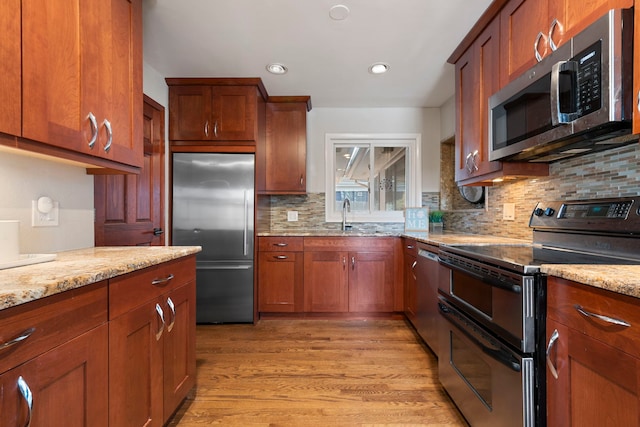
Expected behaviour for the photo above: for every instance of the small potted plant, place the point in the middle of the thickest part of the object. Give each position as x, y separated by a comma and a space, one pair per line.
435, 221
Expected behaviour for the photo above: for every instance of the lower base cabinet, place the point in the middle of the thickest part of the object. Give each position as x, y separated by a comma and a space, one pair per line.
593, 366
66, 386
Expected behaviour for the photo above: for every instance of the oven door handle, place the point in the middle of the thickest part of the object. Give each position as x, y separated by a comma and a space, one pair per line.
489, 280
498, 354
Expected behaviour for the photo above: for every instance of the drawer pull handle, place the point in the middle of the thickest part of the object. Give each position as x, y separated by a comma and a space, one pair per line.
23, 336
156, 282
161, 315
413, 270
281, 257
552, 341
602, 317
25, 391
172, 306
281, 245
94, 129
107, 126
410, 246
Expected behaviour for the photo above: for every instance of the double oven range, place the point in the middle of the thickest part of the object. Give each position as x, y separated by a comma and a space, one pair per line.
493, 307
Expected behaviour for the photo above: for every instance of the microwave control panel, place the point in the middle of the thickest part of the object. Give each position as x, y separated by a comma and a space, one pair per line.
589, 78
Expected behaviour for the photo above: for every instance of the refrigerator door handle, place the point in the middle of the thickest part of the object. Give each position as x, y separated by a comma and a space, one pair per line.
246, 224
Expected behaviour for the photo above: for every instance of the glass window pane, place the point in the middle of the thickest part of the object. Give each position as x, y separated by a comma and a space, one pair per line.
389, 178
352, 172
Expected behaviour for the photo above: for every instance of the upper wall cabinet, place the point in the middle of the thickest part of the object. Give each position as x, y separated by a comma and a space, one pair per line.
477, 78
10, 65
82, 79
531, 29
284, 156
222, 110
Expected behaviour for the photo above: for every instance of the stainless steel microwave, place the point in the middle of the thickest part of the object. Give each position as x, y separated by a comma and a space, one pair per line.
575, 101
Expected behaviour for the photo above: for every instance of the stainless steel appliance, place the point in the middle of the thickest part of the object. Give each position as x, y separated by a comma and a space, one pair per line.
213, 207
575, 101
427, 278
492, 343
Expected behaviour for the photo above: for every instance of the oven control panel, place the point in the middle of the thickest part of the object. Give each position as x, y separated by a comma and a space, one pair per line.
606, 215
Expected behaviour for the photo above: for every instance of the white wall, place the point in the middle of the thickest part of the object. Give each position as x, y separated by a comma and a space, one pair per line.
425, 121
448, 119
25, 177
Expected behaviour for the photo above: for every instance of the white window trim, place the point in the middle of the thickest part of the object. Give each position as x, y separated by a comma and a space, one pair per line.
412, 141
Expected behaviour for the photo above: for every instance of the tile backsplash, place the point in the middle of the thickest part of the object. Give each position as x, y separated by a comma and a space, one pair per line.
613, 173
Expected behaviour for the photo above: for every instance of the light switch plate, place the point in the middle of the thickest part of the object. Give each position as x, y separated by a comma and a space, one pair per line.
292, 215
509, 211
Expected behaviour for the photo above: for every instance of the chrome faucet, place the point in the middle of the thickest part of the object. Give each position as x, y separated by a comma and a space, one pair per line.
346, 207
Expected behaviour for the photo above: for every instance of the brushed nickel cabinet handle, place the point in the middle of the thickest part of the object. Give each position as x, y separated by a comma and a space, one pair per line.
353, 263
161, 315
172, 306
25, 391
301, 180
157, 282
206, 128
23, 336
536, 45
639, 100
215, 129
344, 262
602, 317
94, 129
413, 270
552, 341
281, 257
281, 244
107, 125
554, 25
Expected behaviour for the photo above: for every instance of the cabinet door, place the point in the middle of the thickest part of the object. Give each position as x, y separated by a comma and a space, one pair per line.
325, 282
410, 287
179, 346
523, 24
82, 76
234, 113
597, 384
280, 281
371, 281
477, 78
286, 146
135, 367
190, 113
10, 71
68, 385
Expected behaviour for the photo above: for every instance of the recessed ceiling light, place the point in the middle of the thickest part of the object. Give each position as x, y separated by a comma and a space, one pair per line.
276, 68
339, 12
379, 68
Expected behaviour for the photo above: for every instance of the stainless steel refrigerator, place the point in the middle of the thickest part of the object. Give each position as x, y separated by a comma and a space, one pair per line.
213, 205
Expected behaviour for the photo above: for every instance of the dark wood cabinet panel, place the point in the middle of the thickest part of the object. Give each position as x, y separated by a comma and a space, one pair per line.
589, 355
371, 286
326, 287
10, 68
280, 282
410, 279
82, 78
286, 145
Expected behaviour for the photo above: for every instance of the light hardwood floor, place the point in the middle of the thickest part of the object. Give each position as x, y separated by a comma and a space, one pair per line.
315, 373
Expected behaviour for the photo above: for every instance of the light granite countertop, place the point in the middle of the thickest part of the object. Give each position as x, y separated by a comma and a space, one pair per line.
73, 269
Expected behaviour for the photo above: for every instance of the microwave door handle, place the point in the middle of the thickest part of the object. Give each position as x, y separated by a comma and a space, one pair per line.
559, 117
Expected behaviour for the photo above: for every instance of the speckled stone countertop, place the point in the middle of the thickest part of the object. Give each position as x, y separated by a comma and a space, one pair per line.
73, 269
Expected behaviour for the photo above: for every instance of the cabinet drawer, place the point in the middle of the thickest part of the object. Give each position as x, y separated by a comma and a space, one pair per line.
52, 321
131, 290
410, 247
280, 244
564, 297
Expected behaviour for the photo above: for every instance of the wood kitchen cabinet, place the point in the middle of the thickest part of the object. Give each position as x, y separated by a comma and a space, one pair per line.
82, 80
593, 363
61, 360
527, 24
216, 110
280, 274
350, 274
10, 69
285, 158
410, 251
151, 342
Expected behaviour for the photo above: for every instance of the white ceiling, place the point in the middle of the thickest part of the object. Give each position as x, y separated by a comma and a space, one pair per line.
327, 59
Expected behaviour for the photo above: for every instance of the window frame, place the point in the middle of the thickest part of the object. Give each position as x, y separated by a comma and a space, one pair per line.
413, 174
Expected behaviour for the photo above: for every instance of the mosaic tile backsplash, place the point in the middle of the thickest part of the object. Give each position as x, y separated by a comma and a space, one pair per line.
613, 173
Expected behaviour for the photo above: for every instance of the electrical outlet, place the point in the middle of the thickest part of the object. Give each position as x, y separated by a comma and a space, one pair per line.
44, 212
292, 215
509, 211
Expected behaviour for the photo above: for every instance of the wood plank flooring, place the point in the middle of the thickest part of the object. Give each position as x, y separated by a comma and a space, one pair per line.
315, 373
